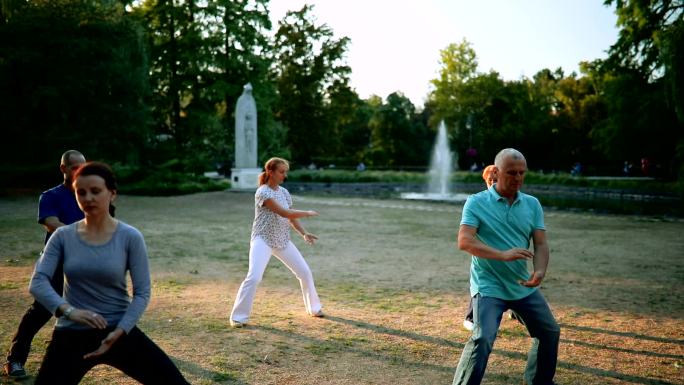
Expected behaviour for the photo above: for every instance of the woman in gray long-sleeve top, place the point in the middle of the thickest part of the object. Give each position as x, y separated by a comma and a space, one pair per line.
97, 318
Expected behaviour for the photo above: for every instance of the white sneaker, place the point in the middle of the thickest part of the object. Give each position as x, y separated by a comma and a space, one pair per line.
236, 324
468, 325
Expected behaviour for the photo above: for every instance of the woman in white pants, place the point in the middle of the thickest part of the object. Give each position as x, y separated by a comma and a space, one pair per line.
273, 217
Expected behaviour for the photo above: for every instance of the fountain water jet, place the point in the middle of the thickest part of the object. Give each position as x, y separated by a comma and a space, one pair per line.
441, 167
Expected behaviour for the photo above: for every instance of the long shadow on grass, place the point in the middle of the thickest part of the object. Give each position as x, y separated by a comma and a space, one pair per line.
393, 359
622, 350
215, 376
624, 334
513, 355
345, 347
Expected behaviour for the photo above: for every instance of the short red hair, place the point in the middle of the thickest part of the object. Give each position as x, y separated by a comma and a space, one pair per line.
488, 171
487, 174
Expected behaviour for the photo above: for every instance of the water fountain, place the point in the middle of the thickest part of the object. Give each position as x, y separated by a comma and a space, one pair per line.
441, 167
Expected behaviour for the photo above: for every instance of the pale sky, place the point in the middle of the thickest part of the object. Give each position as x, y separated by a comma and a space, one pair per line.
395, 44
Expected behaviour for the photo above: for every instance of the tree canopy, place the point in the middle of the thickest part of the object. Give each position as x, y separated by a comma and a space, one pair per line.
155, 83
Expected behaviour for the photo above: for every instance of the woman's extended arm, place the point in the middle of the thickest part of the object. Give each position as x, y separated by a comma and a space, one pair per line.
272, 205
308, 237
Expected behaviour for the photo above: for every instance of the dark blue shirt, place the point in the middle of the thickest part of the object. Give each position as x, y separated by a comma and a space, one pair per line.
58, 202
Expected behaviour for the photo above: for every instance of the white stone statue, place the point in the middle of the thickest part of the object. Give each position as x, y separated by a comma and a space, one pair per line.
246, 130
245, 173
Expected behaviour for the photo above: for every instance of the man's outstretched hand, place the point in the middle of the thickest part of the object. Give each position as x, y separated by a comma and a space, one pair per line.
516, 253
535, 280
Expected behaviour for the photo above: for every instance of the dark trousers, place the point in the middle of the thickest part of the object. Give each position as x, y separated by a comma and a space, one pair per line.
35, 317
134, 354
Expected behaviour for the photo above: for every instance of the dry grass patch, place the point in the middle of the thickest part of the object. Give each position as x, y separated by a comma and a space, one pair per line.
394, 291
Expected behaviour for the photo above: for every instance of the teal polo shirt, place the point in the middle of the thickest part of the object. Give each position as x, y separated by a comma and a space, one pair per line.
503, 227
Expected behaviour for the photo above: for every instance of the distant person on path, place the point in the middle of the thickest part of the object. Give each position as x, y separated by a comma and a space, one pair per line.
576, 169
97, 317
496, 228
489, 176
273, 215
645, 166
56, 207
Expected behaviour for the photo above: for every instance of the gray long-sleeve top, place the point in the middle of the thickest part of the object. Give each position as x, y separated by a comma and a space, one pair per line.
95, 276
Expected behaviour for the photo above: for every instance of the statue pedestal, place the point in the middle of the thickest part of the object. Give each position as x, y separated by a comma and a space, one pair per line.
244, 178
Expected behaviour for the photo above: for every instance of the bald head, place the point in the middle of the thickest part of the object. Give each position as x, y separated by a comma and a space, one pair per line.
68, 155
71, 160
505, 154
511, 167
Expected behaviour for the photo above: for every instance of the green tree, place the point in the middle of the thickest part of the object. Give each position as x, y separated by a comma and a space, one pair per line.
73, 74
484, 121
309, 63
240, 52
458, 64
673, 61
203, 53
579, 109
398, 136
174, 39
649, 47
643, 34
472, 105
349, 118
9, 8
639, 123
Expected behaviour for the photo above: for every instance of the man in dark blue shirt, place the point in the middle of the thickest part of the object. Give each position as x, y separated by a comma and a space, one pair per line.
56, 207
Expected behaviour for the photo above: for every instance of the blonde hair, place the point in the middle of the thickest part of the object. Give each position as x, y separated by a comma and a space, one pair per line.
271, 165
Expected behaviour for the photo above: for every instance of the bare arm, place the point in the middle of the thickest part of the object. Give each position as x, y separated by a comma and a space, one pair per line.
467, 241
288, 213
308, 237
51, 224
541, 259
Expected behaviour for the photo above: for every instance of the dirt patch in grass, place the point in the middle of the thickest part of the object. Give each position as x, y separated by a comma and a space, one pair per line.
394, 289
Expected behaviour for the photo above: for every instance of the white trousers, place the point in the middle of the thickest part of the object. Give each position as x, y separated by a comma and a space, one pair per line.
259, 255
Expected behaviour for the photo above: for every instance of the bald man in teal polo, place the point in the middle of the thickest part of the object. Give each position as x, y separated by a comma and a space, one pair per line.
496, 228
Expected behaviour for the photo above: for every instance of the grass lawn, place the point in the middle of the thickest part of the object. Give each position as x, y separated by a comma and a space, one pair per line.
394, 289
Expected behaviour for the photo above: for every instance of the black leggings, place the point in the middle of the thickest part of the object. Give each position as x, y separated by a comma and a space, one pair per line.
134, 354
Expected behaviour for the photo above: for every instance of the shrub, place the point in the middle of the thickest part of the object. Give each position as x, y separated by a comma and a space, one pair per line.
164, 180
532, 178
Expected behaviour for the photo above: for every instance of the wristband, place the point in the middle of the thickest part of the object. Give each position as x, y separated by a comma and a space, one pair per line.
68, 312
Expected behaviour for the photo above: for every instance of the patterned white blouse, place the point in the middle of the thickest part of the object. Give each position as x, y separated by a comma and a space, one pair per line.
269, 226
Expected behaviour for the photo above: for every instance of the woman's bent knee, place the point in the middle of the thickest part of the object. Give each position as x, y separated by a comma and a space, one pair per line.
252, 280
